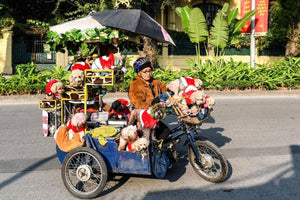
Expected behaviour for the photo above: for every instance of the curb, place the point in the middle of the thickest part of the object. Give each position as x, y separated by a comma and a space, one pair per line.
215, 94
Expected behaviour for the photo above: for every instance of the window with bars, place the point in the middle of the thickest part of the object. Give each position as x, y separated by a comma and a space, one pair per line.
209, 11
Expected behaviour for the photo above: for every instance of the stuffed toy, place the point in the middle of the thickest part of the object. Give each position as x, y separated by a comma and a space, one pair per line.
139, 144
76, 78
77, 125
54, 89
120, 109
128, 135
147, 120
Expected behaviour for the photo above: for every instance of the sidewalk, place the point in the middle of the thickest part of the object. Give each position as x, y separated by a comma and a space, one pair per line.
215, 94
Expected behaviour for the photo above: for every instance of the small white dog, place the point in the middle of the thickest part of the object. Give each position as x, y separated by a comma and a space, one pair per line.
138, 145
76, 78
77, 125
128, 135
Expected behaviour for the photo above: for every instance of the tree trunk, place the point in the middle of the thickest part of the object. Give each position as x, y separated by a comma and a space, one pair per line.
150, 51
292, 46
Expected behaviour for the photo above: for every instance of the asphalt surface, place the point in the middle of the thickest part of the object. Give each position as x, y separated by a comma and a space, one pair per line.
233, 93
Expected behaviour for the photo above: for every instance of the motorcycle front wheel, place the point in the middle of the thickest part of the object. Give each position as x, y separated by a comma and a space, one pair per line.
212, 165
84, 173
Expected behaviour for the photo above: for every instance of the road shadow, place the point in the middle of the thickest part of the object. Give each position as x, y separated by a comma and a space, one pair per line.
26, 171
285, 185
214, 134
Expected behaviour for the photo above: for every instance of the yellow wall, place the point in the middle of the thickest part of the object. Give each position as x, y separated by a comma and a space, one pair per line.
6, 53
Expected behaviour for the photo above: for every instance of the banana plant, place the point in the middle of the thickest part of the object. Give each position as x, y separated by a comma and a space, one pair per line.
219, 31
194, 24
226, 28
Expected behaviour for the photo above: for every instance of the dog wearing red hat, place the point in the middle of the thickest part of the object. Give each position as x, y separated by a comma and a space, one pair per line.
54, 89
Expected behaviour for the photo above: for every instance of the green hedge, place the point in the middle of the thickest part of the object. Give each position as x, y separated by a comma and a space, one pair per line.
219, 75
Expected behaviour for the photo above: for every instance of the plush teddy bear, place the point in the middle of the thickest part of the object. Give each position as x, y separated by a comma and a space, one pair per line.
77, 125
54, 89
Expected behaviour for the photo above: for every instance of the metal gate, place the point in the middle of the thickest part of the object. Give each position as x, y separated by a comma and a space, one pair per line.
31, 49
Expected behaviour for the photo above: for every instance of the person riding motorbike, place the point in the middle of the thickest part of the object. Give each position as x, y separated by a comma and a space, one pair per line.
144, 88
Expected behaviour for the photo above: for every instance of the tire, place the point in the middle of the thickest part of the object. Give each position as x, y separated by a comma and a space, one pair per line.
84, 173
213, 166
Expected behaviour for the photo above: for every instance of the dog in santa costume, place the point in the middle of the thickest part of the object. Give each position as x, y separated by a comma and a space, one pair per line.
128, 135
80, 62
76, 78
54, 89
120, 109
177, 86
104, 62
77, 125
147, 120
139, 144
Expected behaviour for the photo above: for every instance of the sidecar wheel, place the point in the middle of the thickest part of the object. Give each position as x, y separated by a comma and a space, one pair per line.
212, 165
84, 173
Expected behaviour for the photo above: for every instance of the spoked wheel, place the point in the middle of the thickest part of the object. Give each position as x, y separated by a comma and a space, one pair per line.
212, 165
84, 173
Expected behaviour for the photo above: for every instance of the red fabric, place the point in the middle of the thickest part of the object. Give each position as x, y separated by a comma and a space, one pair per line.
74, 128
124, 102
187, 96
81, 65
190, 81
147, 120
129, 146
49, 85
107, 63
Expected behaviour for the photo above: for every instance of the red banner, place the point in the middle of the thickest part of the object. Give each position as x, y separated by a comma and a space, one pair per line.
245, 8
261, 17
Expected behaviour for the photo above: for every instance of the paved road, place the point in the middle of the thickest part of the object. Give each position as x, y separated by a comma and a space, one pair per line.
258, 135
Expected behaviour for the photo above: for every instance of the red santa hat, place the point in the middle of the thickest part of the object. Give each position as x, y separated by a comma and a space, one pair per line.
146, 120
49, 85
81, 65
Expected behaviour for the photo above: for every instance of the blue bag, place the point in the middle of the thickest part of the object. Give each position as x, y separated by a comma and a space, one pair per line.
159, 162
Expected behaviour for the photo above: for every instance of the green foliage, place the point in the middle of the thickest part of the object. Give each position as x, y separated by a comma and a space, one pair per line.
215, 74
74, 39
194, 24
29, 80
219, 31
226, 29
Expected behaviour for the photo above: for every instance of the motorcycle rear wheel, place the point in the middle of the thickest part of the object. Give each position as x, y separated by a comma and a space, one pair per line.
212, 166
84, 173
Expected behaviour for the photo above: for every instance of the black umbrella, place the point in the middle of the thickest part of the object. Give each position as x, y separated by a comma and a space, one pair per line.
133, 20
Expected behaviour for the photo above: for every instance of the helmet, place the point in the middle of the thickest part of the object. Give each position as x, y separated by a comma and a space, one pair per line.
141, 63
